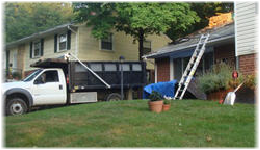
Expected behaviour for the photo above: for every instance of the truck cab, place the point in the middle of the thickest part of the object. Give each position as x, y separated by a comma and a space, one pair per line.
42, 87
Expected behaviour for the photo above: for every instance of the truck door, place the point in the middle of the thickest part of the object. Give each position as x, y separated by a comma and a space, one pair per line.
49, 88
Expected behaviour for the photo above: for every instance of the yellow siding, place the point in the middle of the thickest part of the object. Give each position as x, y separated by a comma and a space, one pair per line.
89, 47
157, 42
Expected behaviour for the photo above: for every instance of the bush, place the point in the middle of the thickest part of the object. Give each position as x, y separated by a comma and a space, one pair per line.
218, 78
16, 75
155, 96
250, 81
166, 101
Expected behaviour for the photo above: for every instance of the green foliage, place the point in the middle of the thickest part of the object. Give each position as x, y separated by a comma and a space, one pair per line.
155, 96
23, 19
204, 11
219, 78
166, 101
136, 19
250, 81
16, 75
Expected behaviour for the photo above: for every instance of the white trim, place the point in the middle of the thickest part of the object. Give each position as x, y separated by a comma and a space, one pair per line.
58, 42
171, 69
112, 42
76, 38
155, 73
37, 41
235, 18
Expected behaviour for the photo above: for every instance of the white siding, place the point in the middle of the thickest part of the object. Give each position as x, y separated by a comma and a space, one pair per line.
246, 27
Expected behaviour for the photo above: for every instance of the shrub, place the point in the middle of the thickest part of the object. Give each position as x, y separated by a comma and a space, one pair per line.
166, 101
218, 78
155, 96
16, 75
250, 81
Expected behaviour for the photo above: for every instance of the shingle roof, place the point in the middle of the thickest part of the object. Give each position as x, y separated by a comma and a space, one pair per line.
40, 34
216, 34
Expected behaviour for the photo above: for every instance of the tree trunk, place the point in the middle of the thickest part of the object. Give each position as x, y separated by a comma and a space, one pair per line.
141, 44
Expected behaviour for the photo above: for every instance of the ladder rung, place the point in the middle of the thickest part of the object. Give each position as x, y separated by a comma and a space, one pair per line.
192, 66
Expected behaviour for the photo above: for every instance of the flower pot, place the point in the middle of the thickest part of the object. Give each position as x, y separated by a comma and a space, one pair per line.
155, 105
166, 107
219, 95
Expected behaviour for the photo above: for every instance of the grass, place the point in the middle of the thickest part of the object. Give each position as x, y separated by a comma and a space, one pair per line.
189, 123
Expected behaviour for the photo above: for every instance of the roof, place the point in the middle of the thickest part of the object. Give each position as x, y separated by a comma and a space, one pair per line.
39, 35
217, 35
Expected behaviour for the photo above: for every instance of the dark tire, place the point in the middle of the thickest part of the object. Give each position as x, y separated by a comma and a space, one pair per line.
113, 97
16, 106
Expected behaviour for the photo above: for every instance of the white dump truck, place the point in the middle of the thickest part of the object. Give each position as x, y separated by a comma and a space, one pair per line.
67, 81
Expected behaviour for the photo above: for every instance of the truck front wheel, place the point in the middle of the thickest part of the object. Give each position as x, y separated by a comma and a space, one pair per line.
113, 97
16, 106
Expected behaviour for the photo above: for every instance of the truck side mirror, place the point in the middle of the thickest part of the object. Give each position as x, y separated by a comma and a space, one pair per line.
35, 81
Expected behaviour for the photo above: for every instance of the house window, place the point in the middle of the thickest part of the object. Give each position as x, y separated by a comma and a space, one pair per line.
36, 49
180, 65
62, 42
147, 47
106, 44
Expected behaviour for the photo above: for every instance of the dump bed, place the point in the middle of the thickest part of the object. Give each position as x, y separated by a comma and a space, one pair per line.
81, 79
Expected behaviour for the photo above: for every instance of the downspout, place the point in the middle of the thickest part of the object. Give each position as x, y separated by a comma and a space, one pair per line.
76, 43
235, 20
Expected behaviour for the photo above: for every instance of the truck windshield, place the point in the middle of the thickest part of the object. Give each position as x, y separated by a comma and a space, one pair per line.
32, 75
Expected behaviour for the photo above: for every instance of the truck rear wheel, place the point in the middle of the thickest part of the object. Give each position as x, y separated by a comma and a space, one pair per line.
16, 106
113, 97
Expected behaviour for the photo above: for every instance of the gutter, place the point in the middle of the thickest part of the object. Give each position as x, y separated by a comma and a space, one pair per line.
36, 35
190, 46
76, 43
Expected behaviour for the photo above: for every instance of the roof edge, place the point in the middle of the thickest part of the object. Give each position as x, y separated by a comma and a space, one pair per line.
38, 34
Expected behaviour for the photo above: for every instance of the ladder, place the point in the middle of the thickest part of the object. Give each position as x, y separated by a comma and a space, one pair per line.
191, 67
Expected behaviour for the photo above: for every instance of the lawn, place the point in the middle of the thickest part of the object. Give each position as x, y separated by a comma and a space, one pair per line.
189, 123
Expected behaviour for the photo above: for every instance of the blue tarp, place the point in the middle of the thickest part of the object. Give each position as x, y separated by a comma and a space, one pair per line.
164, 88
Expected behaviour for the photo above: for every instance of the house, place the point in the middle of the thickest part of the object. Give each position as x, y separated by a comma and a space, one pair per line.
230, 42
246, 30
171, 60
76, 39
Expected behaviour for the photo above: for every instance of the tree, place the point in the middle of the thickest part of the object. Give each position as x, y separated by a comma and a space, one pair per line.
136, 19
23, 19
204, 12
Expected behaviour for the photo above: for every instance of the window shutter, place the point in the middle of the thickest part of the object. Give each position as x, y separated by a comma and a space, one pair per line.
68, 39
55, 43
42, 46
31, 50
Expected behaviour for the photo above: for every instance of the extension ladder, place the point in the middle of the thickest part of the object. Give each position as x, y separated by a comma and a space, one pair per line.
191, 67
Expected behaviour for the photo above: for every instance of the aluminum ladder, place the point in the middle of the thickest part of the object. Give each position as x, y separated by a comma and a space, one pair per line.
191, 67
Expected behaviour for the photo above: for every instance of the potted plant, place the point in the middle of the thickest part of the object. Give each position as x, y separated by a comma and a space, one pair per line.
217, 82
156, 102
166, 103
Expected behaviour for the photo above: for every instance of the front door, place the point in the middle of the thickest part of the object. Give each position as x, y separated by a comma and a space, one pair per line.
49, 89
